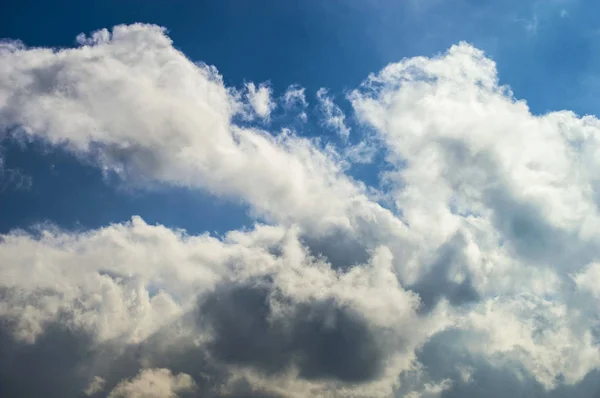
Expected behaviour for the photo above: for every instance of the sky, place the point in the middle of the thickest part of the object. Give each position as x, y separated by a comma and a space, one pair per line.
299, 198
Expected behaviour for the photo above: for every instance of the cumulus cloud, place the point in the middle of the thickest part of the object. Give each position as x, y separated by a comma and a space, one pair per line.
136, 106
588, 279
154, 383
95, 386
471, 159
476, 277
260, 99
255, 303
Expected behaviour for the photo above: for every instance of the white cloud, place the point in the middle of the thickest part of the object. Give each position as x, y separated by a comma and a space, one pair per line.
139, 108
260, 99
295, 97
363, 152
494, 215
95, 386
153, 383
334, 117
431, 390
470, 160
538, 334
127, 293
465, 152
588, 279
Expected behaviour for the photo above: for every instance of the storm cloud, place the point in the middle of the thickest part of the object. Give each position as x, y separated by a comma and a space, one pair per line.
322, 339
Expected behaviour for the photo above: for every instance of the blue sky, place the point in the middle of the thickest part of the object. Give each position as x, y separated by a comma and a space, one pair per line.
299, 198
546, 52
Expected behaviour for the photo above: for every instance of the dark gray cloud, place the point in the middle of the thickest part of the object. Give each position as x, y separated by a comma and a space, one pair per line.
323, 339
63, 361
53, 366
437, 282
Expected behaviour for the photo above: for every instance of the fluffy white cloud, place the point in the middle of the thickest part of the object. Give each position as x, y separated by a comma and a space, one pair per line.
140, 108
153, 383
540, 335
488, 250
260, 99
588, 279
95, 386
430, 390
470, 148
112, 282
471, 161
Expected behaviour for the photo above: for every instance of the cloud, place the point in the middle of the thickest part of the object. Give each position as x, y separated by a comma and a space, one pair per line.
95, 386
588, 279
260, 99
362, 153
130, 102
154, 383
131, 297
321, 339
47, 366
472, 160
537, 334
430, 390
469, 271
294, 97
334, 117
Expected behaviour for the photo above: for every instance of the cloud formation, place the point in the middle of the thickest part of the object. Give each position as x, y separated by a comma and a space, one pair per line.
260, 99
334, 117
255, 302
294, 97
471, 269
154, 383
151, 115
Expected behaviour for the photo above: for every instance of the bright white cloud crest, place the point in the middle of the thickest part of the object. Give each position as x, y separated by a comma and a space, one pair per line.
153, 383
486, 255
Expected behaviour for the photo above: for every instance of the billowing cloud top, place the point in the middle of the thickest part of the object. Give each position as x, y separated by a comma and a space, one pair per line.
471, 271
